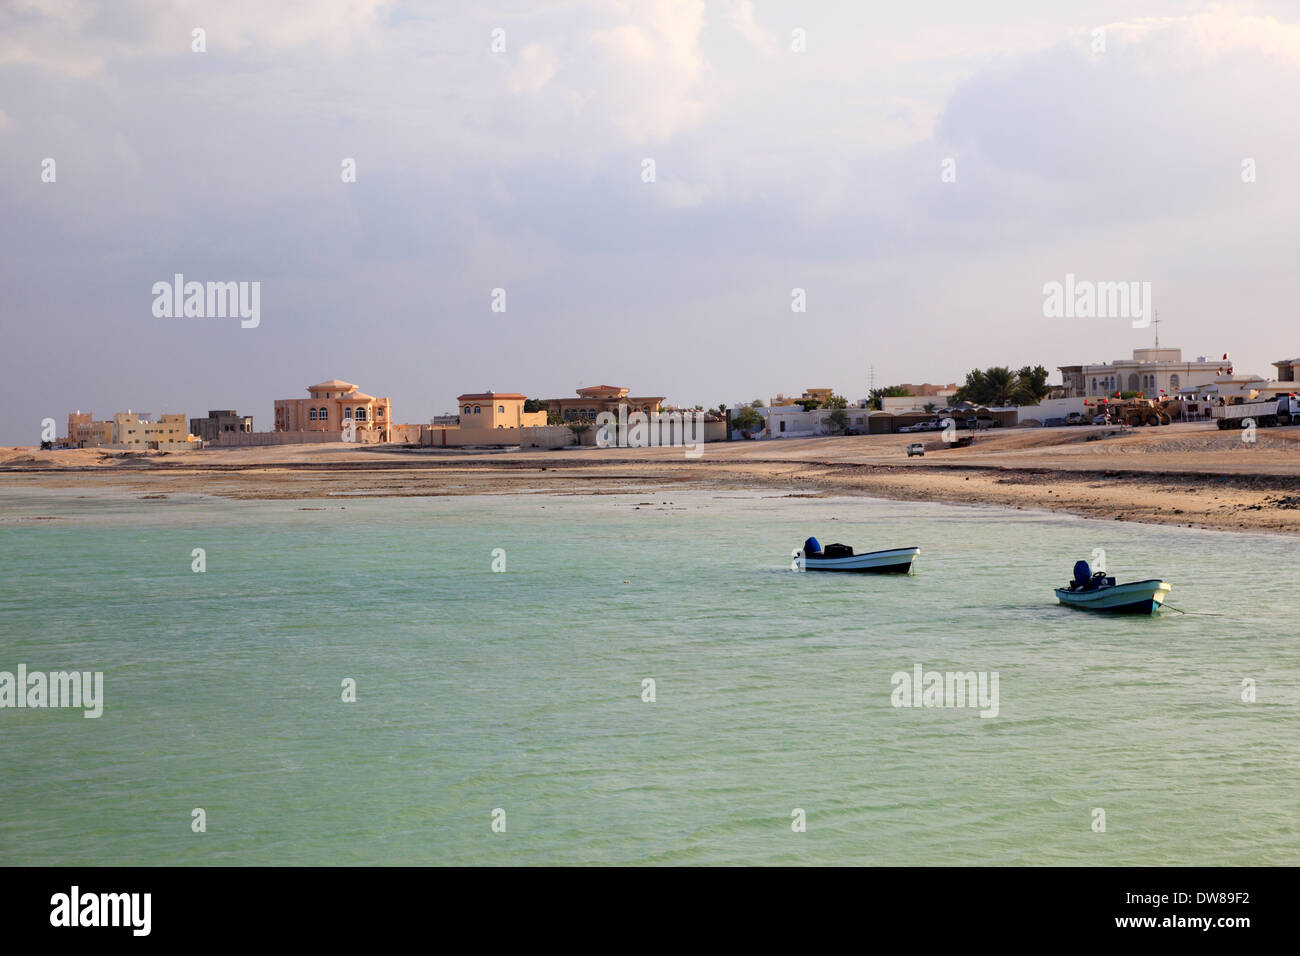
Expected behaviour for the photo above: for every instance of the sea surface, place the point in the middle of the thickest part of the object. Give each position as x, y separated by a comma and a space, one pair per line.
501, 716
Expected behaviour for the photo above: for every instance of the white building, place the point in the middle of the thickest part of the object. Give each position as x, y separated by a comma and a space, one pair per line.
791, 421
1151, 371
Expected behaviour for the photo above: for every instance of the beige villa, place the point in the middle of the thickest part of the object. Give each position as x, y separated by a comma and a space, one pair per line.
594, 399
330, 406
479, 410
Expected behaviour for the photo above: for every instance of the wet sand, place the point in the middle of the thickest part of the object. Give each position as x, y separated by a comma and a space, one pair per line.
1187, 474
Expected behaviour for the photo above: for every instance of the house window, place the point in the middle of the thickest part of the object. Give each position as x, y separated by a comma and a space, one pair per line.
379, 413
477, 410
313, 415
347, 413
467, 410
501, 409
361, 414
324, 414
1173, 383
783, 426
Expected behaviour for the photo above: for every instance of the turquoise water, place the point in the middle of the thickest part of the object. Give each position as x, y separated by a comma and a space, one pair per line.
522, 690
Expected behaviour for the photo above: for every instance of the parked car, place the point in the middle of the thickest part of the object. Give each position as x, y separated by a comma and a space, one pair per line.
1053, 422
906, 429
916, 448
1101, 420
1075, 418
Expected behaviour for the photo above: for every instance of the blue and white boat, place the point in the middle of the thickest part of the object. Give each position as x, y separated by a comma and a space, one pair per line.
1097, 592
840, 557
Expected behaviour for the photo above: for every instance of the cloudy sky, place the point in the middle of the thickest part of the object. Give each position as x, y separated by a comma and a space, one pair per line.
522, 169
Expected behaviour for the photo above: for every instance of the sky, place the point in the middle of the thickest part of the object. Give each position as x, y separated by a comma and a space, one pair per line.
919, 170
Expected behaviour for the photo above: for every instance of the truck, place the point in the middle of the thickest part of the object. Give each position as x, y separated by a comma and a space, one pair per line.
1265, 413
1136, 412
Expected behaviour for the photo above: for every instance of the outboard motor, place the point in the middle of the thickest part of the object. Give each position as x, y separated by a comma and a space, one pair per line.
812, 546
1082, 573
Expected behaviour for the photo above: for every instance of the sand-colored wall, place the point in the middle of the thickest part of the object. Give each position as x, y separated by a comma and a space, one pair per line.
543, 436
245, 439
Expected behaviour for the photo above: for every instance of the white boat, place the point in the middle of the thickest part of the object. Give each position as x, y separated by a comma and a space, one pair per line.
1096, 592
895, 560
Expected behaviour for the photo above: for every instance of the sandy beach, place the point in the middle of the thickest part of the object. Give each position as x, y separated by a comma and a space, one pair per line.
1186, 474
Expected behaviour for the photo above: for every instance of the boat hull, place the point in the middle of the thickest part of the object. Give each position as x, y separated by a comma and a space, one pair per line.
893, 561
1137, 597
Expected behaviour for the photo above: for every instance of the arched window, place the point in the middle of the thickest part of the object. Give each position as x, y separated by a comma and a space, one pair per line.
361, 414
1132, 382
312, 416
467, 409
324, 414
501, 409
347, 413
379, 412
477, 410
1094, 386
1173, 383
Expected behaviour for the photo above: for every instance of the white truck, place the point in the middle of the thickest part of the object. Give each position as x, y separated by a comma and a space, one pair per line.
1283, 410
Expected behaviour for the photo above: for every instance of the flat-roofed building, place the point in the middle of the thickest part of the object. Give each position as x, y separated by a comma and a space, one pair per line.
129, 430
817, 394
85, 432
144, 431
218, 421
1151, 371
479, 410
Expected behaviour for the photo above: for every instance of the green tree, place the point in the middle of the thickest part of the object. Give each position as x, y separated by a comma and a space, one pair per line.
838, 401
578, 428
930, 407
534, 405
756, 403
991, 386
889, 391
553, 417
747, 420
836, 422
808, 404
999, 385
1033, 383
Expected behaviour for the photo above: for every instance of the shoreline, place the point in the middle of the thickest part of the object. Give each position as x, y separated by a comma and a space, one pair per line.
1178, 475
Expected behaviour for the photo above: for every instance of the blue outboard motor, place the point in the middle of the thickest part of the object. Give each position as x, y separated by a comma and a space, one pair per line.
812, 546
1082, 572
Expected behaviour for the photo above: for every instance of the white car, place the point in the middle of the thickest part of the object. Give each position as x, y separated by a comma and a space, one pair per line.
916, 448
